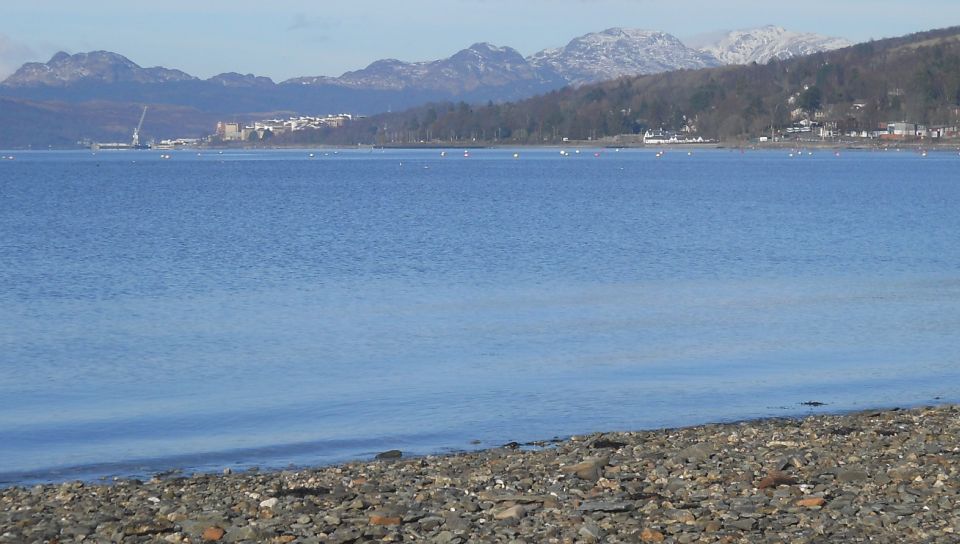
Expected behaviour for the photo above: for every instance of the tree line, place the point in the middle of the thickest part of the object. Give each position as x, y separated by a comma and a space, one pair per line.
915, 78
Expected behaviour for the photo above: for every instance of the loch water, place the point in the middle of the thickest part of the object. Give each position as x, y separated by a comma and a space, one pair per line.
291, 308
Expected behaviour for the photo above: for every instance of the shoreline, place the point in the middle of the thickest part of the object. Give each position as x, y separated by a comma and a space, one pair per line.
890, 475
851, 145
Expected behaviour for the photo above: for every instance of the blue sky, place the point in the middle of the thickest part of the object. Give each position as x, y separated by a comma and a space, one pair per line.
288, 38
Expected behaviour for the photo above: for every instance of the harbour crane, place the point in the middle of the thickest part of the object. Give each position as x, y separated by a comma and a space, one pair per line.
136, 132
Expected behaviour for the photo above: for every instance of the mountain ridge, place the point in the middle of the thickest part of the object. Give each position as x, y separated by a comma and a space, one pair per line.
592, 57
480, 73
612, 53
64, 69
468, 69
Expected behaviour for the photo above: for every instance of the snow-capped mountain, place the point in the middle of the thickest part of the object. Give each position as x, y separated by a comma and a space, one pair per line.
479, 73
619, 52
769, 42
96, 66
589, 58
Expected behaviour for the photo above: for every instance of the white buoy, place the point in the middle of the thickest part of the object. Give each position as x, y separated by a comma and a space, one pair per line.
516, 155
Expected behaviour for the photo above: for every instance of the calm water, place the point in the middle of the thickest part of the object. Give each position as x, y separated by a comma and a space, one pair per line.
266, 308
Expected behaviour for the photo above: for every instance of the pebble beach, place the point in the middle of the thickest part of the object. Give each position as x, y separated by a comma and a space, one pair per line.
877, 476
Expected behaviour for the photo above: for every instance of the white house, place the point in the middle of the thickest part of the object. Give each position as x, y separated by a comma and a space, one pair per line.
660, 137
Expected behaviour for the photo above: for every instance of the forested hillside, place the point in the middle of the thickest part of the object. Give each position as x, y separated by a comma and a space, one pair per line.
915, 78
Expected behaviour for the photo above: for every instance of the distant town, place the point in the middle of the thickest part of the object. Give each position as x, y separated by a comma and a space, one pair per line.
822, 126
803, 128
263, 130
805, 120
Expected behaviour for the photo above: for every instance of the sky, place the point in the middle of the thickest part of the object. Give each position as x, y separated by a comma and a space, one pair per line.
289, 38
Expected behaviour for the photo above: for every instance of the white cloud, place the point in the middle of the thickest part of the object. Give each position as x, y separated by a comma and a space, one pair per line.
12, 55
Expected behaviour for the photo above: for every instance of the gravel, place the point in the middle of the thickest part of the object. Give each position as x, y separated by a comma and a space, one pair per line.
882, 476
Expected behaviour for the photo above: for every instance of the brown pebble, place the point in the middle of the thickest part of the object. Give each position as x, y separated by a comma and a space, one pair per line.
212, 534
812, 502
776, 478
377, 519
649, 535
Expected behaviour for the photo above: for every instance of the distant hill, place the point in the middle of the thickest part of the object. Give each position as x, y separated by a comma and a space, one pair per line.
104, 76
482, 69
914, 78
478, 74
60, 124
101, 67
